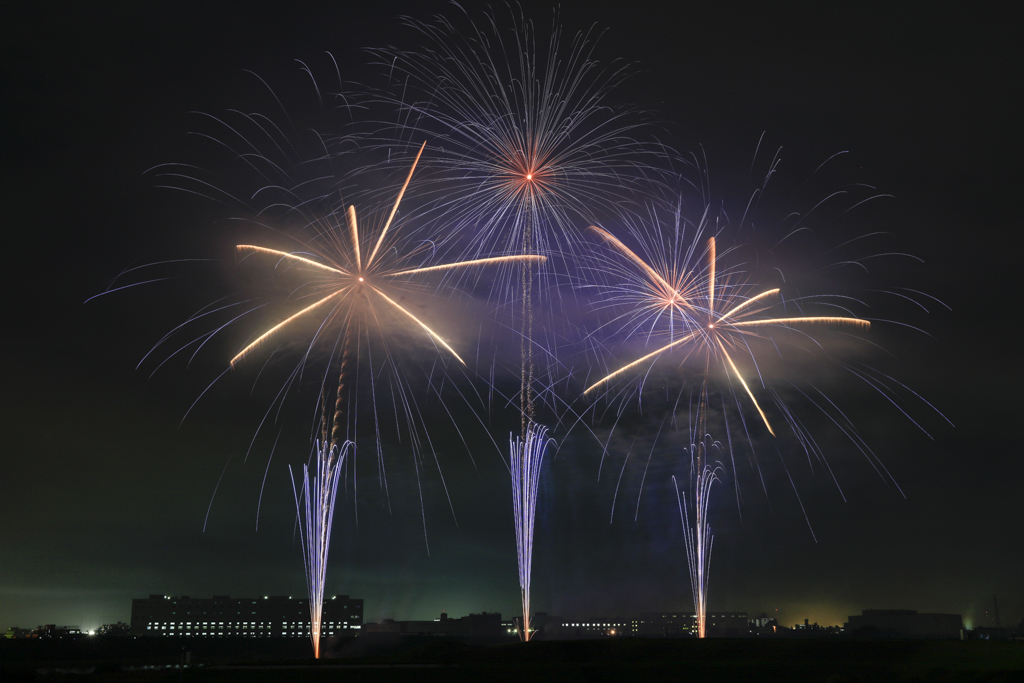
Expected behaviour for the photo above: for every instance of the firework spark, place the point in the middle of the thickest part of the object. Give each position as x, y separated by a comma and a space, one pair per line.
527, 457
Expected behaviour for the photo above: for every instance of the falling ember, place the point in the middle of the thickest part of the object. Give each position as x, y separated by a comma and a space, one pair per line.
527, 457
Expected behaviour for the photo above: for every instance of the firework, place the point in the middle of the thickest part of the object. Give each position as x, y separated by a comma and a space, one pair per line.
713, 318
353, 280
352, 288
698, 539
314, 505
527, 454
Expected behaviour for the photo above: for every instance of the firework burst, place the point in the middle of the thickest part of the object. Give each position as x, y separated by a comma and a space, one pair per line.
340, 279
710, 327
529, 148
529, 144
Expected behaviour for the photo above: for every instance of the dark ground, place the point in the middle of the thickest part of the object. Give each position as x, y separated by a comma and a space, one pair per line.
589, 660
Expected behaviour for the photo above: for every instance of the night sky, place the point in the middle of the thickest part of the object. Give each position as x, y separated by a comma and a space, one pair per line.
104, 490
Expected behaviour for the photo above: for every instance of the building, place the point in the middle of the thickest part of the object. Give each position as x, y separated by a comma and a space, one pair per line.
809, 630
484, 625
679, 624
15, 633
665, 624
49, 631
590, 627
763, 625
225, 617
904, 623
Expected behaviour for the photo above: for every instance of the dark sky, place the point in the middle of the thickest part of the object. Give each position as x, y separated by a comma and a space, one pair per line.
103, 492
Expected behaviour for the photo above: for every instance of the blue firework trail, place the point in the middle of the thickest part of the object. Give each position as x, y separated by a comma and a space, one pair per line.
527, 455
314, 506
